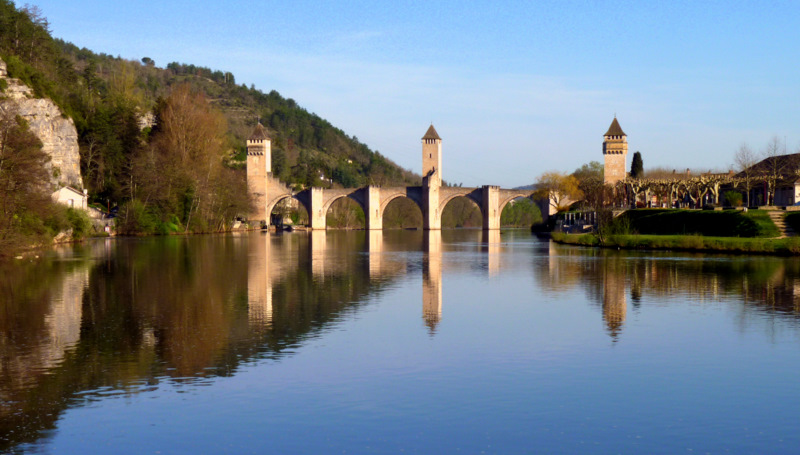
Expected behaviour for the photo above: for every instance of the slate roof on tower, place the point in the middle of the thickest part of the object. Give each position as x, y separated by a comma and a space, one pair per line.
431, 134
259, 133
615, 129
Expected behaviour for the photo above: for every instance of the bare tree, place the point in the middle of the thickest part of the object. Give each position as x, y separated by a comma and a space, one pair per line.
744, 159
774, 166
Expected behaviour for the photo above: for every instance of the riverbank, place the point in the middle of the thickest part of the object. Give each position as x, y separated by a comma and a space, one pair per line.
696, 243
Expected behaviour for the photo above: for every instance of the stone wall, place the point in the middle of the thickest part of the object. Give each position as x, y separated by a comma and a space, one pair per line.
57, 133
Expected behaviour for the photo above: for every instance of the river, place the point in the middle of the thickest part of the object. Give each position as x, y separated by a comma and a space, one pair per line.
457, 341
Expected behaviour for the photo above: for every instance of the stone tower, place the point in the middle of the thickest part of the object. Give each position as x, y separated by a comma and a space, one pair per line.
615, 152
259, 169
431, 179
432, 156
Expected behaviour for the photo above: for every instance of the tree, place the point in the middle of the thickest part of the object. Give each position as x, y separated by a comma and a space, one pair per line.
775, 164
521, 212
559, 189
279, 168
745, 159
24, 189
637, 166
181, 175
590, 182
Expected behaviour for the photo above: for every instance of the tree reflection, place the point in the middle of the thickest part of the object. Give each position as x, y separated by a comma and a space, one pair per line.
768, 284
148, 310
126, 315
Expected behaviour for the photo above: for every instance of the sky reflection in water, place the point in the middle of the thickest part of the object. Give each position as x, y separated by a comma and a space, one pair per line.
382, 342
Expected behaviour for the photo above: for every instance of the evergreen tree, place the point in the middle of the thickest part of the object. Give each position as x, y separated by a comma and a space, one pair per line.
637, 166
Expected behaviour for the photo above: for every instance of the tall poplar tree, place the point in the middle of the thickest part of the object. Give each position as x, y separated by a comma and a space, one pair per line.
637, 166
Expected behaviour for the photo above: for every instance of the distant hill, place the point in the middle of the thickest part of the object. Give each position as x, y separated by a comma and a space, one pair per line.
112, 101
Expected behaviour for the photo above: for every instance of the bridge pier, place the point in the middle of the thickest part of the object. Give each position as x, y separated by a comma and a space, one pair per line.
490, 202
431, 217
372, 206
316, 208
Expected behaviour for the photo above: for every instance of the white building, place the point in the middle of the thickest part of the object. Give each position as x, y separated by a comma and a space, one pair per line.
71, 197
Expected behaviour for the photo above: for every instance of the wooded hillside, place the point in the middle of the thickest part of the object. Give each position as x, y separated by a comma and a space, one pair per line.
110, 98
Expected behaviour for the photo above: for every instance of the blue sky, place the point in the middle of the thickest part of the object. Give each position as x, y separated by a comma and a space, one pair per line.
513, 88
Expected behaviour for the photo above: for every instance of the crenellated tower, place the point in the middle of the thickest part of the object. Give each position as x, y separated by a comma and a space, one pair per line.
432, 155
259, 169
431, 179
615, 152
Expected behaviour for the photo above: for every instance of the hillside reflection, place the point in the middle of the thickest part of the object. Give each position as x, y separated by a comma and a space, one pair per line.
611, 279
122, 316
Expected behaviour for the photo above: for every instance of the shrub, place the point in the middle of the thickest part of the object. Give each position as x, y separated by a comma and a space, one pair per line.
80, 222
693, 222
135, 218
734, 198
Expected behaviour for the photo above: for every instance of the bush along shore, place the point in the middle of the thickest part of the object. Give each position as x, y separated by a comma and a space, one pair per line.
689, 230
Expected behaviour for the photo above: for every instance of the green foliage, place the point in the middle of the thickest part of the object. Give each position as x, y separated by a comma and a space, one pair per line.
345, 213
593, 169
135, 218
107, 97
610, 227
3, 85
637, 166
590, 183
80, 223
766, 228
25, 204
520, 213
727, 223
734, 198
402, 213
461, 212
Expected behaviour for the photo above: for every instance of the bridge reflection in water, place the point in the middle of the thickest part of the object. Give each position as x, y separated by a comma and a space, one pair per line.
134, 312
383, 263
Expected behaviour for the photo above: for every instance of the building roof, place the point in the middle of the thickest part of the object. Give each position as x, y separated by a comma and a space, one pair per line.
786, 166
615, 129
259, 133
69, 188
431, 133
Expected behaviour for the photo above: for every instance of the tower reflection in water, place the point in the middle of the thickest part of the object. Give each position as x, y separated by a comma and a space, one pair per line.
273, 258
604, 278
432, 280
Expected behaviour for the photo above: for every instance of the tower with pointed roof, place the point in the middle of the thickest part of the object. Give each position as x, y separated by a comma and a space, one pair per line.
431, 179
259, 169
615, 152
432, 156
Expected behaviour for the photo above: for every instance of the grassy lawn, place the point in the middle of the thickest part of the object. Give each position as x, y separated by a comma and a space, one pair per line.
766, 228
757, 245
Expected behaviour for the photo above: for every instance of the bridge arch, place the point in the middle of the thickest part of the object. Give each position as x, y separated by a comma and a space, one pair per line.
385, 200
461, 211
508, 197
400, 211
273, 202
353, 195
448, 194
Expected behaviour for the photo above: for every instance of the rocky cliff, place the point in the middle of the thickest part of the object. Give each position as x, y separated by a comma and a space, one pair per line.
57, 133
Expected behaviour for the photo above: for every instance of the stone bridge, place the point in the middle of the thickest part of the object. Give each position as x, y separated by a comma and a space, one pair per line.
374, 199
431, 198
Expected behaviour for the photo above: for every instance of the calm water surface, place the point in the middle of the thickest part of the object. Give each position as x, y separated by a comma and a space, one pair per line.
413, 342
